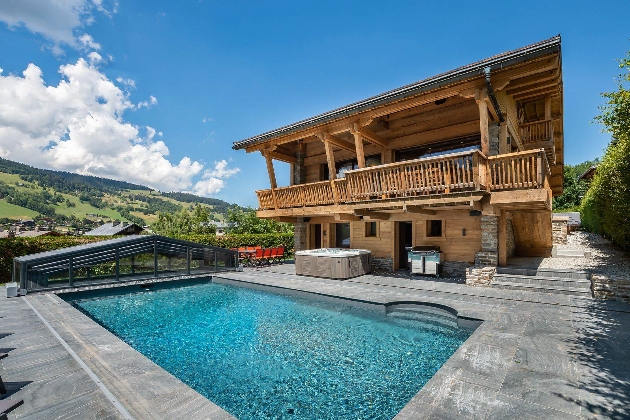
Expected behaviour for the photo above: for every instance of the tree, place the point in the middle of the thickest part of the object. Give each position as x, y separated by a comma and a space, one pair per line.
574, 188
245, 221
606, 206
184, 222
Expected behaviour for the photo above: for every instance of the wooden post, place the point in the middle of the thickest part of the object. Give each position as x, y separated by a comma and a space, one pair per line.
272, 178
502, 245
503, 138
540, 170
480, 96
548, 107
358, 143
330, 157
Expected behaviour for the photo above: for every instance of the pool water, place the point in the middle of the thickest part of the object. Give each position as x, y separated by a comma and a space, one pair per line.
264, 355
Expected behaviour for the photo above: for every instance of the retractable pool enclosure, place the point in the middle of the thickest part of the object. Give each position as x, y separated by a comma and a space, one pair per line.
122, 259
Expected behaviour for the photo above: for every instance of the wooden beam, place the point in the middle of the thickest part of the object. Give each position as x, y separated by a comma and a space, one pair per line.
282, 157
417, 209
538, 93
531, 80
503, 137
502, 239
370, 136
332, 170
532, 88
270, 171
480, 97
343, 217
548, 108
372, 215
358, 142
340, 143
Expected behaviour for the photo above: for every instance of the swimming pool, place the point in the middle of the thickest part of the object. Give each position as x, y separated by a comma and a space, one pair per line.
265, 355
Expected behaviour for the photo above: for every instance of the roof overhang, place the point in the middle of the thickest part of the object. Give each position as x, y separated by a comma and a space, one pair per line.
470, 71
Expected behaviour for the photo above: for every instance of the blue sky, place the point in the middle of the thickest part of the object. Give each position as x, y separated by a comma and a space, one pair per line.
155, 92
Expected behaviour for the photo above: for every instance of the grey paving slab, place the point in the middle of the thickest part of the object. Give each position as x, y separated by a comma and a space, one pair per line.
535, 355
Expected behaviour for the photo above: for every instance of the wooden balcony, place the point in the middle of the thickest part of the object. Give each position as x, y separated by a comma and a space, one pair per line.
447, 174
536, 132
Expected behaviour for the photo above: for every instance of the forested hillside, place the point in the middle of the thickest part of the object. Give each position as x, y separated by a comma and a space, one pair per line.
28, 192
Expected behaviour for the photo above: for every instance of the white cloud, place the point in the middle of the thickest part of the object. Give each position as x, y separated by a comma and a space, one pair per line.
88, 42
213, 181
78, 126
94, 58
207, 119
59, 21
147, 104
127, 83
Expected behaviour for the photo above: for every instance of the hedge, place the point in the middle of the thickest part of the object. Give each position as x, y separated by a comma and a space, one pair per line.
16, 247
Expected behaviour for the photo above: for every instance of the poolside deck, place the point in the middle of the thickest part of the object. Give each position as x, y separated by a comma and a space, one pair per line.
535, 355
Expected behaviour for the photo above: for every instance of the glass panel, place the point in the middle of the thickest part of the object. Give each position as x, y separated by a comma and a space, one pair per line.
342, 235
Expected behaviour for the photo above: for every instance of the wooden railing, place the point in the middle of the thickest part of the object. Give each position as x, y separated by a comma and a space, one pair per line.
518, 170
457, 172
536, 132
440, 174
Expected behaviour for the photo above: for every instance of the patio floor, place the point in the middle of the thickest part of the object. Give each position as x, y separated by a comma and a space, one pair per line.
534, 356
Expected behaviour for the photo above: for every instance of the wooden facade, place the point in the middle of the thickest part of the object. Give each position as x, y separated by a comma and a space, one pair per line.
482, 140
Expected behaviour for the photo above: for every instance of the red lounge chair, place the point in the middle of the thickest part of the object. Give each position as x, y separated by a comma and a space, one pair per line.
280, 256
274, 255
266, 255
258, 257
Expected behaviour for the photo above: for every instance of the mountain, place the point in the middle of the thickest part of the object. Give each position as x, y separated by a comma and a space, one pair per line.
27, 192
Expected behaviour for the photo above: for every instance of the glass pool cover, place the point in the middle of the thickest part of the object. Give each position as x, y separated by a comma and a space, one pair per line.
263, 355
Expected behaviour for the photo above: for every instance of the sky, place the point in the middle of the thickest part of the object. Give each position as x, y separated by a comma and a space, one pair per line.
155, 92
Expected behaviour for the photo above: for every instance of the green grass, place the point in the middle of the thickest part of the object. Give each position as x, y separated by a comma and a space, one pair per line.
12, 211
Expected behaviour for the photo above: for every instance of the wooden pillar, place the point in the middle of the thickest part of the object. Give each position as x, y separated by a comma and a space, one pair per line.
503, 138
270, 171
548, 107
272, 178
480, 96
330, 158
502, 239
358, 143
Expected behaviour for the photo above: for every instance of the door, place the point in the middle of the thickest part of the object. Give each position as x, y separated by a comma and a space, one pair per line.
315, 240
405, 241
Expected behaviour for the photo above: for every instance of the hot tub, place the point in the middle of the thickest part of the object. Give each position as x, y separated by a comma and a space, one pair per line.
334, 263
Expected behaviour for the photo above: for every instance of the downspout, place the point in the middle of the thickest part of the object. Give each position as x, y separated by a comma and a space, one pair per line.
492, 96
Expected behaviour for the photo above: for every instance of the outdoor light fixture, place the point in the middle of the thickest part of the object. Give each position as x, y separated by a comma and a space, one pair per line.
464, 232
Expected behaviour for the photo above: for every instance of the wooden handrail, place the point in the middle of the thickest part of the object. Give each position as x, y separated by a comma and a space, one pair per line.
455, 172
433, 175
536, 131
519, 170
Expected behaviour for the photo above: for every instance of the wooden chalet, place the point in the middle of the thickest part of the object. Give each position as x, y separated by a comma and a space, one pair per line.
467, 160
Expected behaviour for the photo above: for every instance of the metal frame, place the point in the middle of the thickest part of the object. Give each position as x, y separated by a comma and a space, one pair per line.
32, 271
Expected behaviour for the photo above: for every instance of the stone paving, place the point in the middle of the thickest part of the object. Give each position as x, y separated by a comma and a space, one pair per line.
534, 356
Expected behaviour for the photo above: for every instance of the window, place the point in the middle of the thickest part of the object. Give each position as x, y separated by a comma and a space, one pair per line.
349, 165
342, 235
434, 228
370, 229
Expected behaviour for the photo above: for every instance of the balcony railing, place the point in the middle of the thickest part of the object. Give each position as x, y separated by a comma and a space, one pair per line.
536, 132
440, 174
457, 172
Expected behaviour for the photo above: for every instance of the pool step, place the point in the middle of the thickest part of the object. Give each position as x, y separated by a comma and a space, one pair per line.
567, 282
423, 314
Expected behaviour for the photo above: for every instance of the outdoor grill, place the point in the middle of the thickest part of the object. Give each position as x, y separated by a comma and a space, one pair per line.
425, 260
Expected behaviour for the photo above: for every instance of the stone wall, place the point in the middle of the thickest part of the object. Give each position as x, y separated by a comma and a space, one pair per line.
559, 230
607, 288
299, 231
489, 233
480, 276
483, 258
510, 239
382, 264
454, 269
493, 137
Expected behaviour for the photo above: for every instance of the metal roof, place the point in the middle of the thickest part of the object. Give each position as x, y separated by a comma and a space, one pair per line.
462, 73
108, 229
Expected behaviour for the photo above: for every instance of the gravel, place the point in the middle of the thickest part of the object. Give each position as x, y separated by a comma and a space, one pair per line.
605, 258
